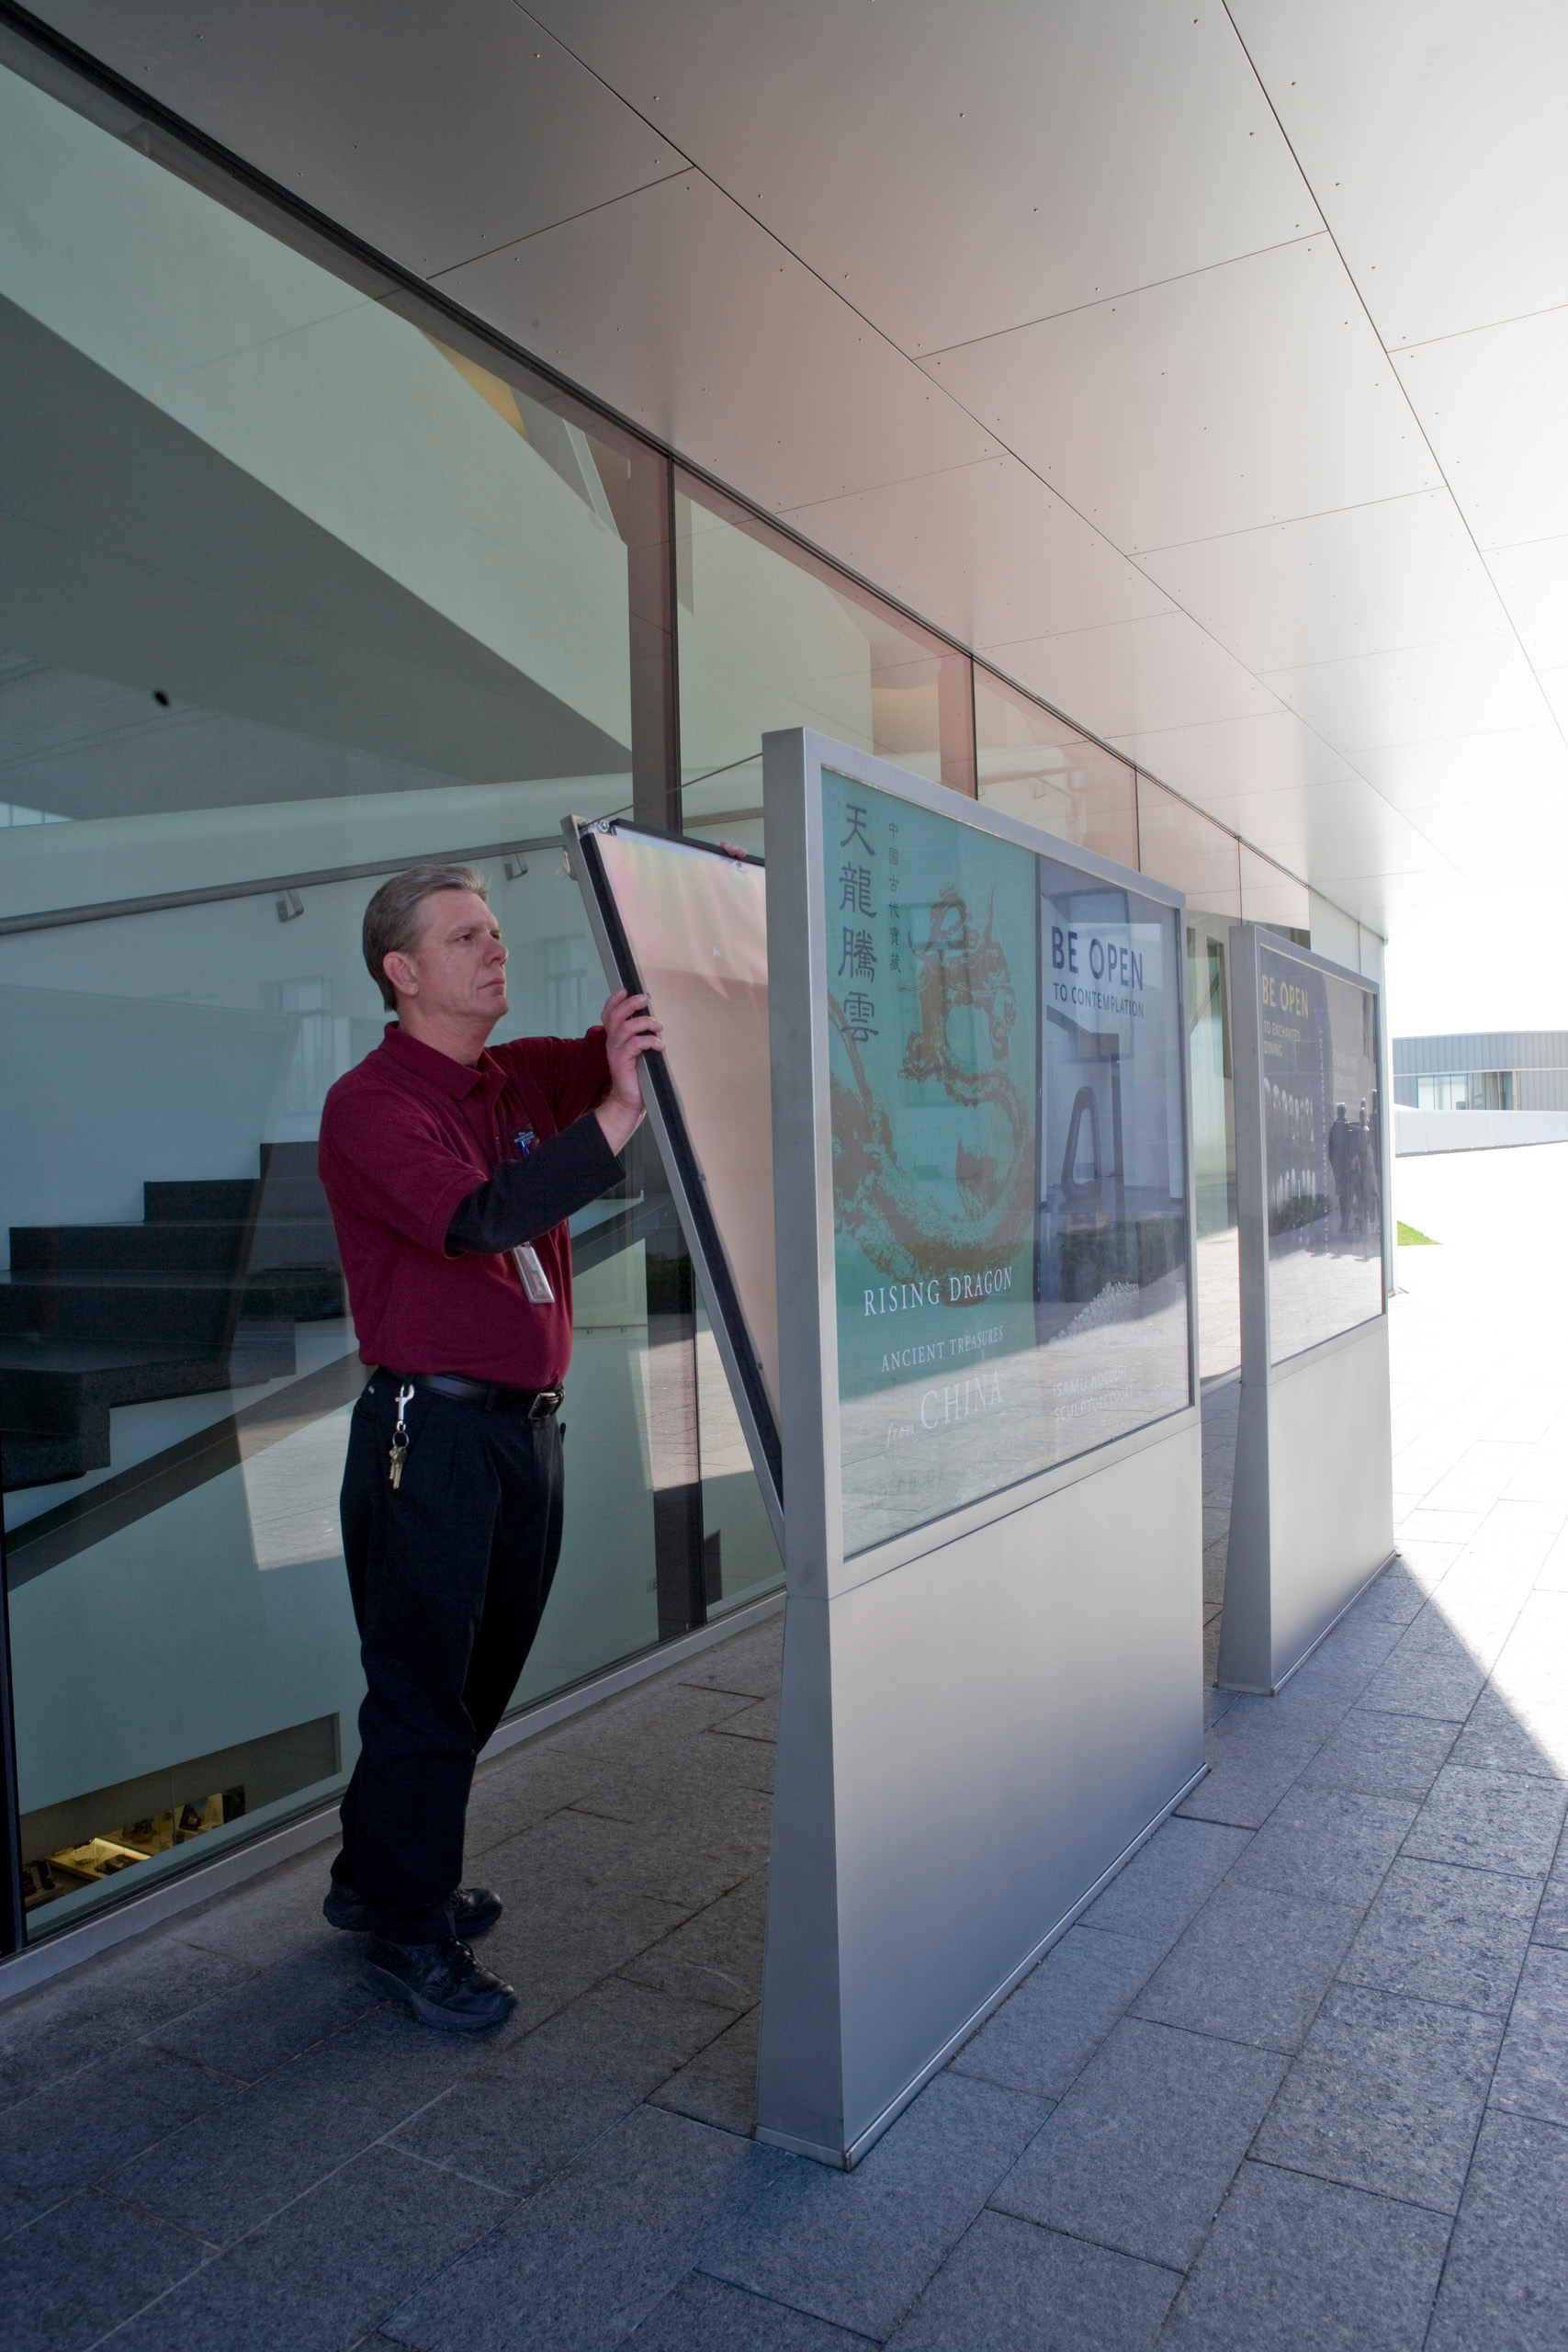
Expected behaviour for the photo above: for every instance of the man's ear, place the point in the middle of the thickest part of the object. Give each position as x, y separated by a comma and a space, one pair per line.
399, 970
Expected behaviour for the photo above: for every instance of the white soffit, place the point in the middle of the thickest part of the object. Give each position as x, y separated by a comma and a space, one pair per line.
1400, 571
1470, 772
1425, 693
955, 171
705, 331
1494, 404
1243, 395
1134, 675
1432, 134
985, 551
432, 135
1270, 752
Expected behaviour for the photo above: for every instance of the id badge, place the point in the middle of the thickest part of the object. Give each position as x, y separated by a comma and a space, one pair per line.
535, 1282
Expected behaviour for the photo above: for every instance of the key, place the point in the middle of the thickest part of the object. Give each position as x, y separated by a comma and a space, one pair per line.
400, 1447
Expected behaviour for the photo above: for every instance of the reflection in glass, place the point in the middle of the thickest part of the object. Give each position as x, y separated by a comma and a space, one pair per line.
771, 637
1183, 847
1322, 1152
1032, 765
1009, 1198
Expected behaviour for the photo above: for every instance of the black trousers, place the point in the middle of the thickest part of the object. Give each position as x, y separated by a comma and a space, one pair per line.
449, 1574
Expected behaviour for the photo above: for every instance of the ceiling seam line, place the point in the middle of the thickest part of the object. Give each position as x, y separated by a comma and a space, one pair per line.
490, 252
1403, 388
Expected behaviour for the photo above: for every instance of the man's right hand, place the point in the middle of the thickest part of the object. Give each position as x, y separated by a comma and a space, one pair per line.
630, 1030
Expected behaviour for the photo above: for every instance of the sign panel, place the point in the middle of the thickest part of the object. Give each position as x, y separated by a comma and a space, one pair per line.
1009, 1183
1323, 1151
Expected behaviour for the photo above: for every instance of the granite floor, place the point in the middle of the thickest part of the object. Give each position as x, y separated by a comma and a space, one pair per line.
1299, 2078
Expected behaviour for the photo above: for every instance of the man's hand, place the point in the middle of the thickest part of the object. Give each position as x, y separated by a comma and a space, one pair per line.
630, 1030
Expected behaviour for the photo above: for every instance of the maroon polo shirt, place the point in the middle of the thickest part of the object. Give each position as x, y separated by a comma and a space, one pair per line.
405, 1136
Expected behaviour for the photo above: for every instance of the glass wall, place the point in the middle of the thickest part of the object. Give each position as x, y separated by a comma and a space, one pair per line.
1032, 765
770, 636
294, 594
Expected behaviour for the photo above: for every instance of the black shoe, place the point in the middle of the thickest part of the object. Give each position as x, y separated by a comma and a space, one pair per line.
443, 1984
473, 1911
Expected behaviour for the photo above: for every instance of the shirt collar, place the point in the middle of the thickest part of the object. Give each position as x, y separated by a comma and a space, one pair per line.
455, 1078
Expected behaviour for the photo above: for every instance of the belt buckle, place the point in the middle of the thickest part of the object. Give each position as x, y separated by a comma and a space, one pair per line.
547, 1402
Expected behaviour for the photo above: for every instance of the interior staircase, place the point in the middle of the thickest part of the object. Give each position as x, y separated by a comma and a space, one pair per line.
203, 1294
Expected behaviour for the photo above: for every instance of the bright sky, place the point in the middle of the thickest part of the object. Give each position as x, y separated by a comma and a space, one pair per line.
1502, 965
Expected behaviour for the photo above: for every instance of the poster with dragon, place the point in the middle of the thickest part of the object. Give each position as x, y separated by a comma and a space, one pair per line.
933, 1002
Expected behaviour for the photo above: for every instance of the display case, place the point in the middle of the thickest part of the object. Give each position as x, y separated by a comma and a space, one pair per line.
1312, 1513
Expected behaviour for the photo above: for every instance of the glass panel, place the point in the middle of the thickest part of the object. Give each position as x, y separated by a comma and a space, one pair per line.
294, 594
772, 636
1009, 1201
1213, 1145
1034, 766
740, 1559
1322, 1152
1180, 845
1271, 897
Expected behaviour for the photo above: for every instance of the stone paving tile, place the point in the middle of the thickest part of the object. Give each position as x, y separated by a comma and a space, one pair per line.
1478, 1478
1532, 2071
1380, 1755
597, 1860
858, 2248
576, 2268
55, 2144
1431, 1673
1438, 1932
1043, 2034
748, 1664
1498, 1739
1506, 2285
704, 2315
1552, 1919
719, 2085
1009, 2284
716, 1957
1250, 1767
1168, 1881
1386, 2095
1144, 2145
70, 2277
251, 2027
1295, 2264
268, 1917
1254, 1966
759, 1720
231, 2171
1398, 1594
1496, 1821
1327, 1845
518, 1791
567, 1923
97, 2009
524, 2111
334, 2264
1425, 1525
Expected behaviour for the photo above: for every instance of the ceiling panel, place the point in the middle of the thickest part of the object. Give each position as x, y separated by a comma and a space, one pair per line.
1533, 584
1470, 771
710, 335
1267, 751
1492, 406
957, 171
1431, 134
985, 551
1422, 694
434, 135
1134, 676
1404, 572
1242, 396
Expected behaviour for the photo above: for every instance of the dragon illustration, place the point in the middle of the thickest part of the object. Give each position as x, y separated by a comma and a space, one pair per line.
900, 1224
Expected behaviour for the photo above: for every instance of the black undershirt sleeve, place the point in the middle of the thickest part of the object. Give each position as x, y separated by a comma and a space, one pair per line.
525, 1197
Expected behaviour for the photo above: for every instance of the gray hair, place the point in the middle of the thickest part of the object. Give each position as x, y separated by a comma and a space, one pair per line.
392, 924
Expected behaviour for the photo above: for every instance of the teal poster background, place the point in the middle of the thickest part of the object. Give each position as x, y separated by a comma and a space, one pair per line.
933, 995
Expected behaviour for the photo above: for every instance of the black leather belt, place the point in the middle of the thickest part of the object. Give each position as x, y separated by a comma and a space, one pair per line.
534, 1404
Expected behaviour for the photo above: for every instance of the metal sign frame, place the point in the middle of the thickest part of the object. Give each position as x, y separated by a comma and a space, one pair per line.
983, 1717
1304, 1543
681, 1159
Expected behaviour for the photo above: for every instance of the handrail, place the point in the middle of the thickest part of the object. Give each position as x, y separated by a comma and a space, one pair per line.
272, 886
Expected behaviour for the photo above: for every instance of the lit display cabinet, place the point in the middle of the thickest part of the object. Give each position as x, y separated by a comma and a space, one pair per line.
1312, 1512
979, 1347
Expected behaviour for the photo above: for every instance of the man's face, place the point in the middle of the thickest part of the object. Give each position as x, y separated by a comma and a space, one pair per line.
458, 964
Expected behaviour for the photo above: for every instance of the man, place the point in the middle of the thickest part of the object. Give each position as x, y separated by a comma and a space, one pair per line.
1338, 1161
451, 1170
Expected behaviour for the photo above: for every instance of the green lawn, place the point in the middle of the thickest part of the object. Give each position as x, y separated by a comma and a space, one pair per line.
1410, 1239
